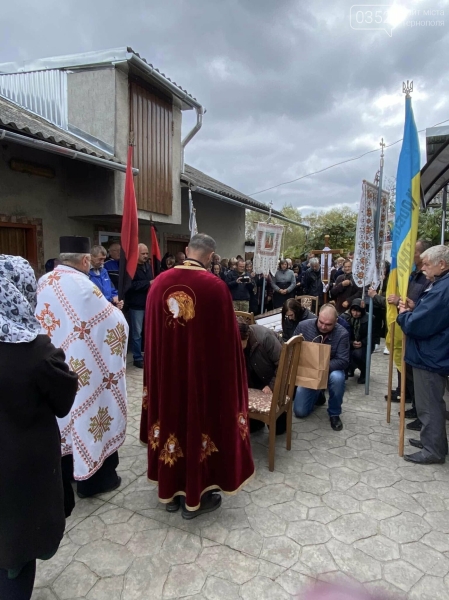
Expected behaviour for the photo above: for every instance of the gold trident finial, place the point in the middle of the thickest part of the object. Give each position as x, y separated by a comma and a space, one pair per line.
407, 88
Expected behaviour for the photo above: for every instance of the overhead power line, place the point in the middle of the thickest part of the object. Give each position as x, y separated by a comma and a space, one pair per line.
337, 164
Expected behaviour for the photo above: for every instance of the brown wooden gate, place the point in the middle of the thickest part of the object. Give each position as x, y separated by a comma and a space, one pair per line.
151, 123
19, 240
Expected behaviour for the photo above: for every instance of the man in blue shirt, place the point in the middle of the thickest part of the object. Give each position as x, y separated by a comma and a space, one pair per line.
112, 265
99, 275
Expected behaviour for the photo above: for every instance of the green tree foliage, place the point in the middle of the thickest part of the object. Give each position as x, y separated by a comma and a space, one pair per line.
429, 225
339, 224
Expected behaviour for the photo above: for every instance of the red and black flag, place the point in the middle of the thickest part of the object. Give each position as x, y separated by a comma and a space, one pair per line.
155, 252
130, 233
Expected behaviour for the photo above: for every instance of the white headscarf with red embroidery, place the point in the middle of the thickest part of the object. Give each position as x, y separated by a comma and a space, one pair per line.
17, 301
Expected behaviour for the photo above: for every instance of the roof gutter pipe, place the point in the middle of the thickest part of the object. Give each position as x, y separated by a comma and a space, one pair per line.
23, 140
199, 122
207, 192
176, 91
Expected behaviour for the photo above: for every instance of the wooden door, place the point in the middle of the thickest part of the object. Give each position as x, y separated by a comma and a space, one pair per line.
19, 240
174, 247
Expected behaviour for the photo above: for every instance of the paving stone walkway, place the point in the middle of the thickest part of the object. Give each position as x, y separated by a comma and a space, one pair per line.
339, 506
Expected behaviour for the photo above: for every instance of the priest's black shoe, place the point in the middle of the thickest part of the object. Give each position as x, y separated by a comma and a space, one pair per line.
420, 459
410, 413
414, 425
174, 505
415, 443
209, 502
336, 423
138, 364
105, 491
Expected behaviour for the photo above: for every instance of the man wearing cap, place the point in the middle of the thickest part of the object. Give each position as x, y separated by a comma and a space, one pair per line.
93, 334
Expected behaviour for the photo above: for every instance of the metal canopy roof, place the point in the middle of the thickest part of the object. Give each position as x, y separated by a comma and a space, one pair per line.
17, 118
435, 174
104, 58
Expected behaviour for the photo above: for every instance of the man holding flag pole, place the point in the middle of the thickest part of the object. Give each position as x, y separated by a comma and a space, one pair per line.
404, 240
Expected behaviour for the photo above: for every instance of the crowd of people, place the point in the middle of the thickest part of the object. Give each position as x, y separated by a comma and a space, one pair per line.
63, 349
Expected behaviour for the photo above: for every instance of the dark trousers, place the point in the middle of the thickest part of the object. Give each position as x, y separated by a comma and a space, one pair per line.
378, 324
409, 386
431, 409
21, 587
104, 479
358, 360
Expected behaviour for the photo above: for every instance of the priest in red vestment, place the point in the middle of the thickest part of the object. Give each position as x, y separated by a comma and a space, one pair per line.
195, 424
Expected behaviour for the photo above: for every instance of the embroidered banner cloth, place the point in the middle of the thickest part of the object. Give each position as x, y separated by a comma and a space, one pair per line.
93, 334
268, 248
367, 268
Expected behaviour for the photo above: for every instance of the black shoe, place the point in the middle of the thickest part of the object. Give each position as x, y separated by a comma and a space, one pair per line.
209, 503
395, 397
321, 399
415, 443
111, 489
361, 379
410, 413
174, 505
420, 459
336, 423
138, 364
415, 425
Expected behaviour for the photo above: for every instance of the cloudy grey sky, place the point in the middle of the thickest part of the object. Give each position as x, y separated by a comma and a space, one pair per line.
289, 86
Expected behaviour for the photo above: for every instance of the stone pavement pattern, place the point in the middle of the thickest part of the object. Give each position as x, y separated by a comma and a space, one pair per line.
339, 506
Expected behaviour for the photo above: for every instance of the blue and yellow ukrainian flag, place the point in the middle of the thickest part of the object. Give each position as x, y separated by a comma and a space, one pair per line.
406, 219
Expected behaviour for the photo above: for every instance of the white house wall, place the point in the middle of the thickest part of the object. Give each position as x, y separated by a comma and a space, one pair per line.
76, 189
91, 105
224, 222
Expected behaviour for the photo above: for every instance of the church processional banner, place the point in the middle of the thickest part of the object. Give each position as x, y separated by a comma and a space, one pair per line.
368, 259
268, 248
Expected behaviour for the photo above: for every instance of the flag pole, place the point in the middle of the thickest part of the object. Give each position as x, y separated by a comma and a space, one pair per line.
390, 370
262, 303
443, 216
376, 243
402, 409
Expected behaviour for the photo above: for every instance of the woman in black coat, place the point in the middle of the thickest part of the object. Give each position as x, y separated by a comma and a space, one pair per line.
292, 314
358, 322
36, 387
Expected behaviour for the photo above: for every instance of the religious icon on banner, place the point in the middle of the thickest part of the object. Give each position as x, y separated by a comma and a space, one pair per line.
267, 247
368, 256
269, 240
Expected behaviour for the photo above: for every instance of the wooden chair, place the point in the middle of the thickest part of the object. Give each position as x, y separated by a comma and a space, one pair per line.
249, 317
269, 407
307, 302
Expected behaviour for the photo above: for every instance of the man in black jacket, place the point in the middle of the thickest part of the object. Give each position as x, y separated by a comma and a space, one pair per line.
136, 298
241, 286
326, 330
262, 351
312, 284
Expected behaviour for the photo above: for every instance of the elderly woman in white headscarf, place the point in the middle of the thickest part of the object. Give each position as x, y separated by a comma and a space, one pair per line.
36, 387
